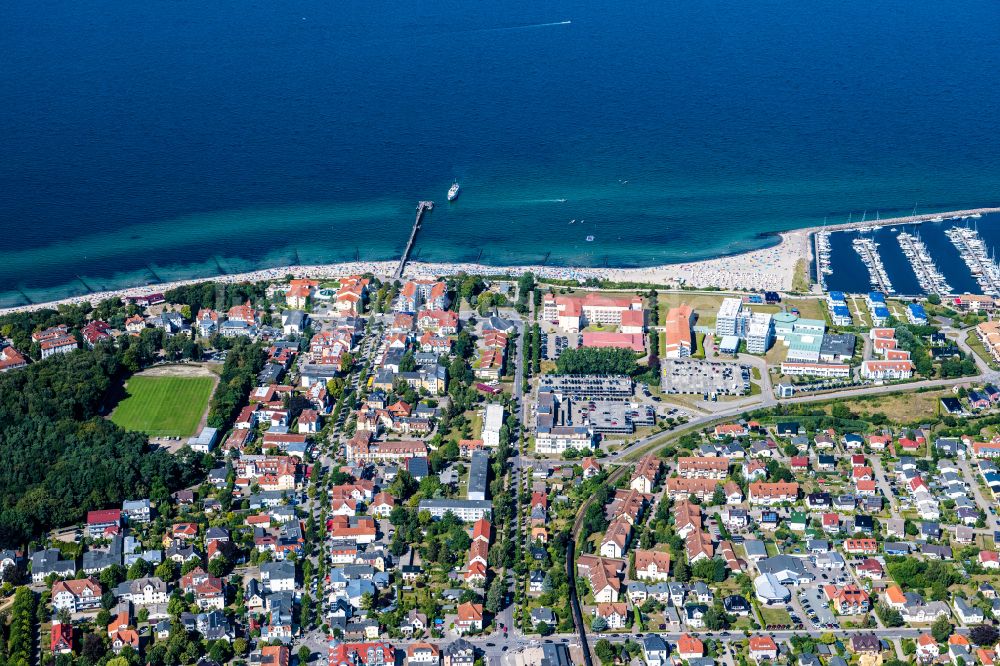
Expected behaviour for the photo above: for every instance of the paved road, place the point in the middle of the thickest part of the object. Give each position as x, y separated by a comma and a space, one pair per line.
769, 401
984, 503
883, 483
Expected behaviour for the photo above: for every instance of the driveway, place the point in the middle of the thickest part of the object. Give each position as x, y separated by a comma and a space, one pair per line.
977, 492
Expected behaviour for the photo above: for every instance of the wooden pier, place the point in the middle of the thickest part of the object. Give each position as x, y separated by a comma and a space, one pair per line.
422, 207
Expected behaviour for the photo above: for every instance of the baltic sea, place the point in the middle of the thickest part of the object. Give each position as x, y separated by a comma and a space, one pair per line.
168, 138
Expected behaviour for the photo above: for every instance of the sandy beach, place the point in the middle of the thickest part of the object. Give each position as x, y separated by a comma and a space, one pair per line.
771, 268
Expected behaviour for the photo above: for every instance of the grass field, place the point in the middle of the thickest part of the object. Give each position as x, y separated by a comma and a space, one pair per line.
910, 407
707, 305
774, 616
164, 406
977, 346
801, 280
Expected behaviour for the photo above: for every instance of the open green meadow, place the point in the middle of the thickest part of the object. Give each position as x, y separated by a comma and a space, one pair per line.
164, 406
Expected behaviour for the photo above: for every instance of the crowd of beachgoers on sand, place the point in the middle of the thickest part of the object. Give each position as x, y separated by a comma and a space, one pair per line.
766, 269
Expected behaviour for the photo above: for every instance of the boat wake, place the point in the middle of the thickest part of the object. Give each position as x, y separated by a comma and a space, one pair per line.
541, 25
530, 26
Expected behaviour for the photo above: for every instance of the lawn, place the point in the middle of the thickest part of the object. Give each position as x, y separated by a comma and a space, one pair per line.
700, 348
909, 407
769, 616
801, 279
809, 308
977, 346
707, 305
164, 406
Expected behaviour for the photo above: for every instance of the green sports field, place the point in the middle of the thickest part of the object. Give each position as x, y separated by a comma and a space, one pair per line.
164, 406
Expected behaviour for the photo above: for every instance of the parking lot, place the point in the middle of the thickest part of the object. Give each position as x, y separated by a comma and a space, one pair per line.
691, 376
816, 607
554, 344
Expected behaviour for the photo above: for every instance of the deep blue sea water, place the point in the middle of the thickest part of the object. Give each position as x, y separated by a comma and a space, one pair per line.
182, 137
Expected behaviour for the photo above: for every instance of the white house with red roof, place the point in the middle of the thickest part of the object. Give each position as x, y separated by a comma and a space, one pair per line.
763, 647
11, 359
470, 618
573, 312
445, 322
55, 340
96, 331
308, 421
100, 522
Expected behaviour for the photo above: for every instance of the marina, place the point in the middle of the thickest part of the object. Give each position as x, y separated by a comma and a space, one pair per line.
928, 254
931, 279
867, 249
822, 249
978, 259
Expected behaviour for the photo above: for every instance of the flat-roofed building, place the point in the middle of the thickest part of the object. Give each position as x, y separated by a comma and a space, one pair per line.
759, 333
727, 319
795, 369
492, 423
555, 429
465, 510
837, 347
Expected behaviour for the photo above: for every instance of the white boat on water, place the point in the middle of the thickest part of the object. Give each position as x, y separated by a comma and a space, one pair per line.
590, 239
453, 191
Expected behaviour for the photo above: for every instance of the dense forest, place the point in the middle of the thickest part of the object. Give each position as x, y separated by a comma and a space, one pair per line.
59, 458
597, 361
216, 295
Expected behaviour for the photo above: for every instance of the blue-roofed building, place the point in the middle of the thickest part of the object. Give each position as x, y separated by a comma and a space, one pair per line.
915, 313
835, 298
874, 299
418, 467
880, 315
840, 315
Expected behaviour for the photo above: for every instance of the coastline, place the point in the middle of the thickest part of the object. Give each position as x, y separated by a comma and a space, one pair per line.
771, 268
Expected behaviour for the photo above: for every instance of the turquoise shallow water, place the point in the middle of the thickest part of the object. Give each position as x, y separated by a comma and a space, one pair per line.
183, 138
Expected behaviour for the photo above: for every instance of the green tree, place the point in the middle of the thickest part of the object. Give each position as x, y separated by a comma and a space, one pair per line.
941, 629
221, 651
103, 618
605, 651
718, 495
596, 361
890, 616
166, 570
218, 566
113, 575
139, 569
495, 595
304, 654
